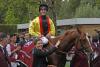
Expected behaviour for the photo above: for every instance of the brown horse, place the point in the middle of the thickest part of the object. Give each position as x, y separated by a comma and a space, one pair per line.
68, 40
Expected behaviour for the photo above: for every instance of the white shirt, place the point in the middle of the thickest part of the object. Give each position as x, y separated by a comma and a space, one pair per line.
2, 48
8, 48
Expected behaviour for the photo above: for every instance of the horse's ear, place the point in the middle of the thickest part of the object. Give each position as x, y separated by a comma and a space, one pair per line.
79, 29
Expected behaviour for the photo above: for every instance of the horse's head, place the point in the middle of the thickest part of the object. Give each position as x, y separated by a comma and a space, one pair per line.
71, 38
84, 41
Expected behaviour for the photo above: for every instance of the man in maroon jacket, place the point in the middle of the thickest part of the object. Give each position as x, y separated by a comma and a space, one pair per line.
3, 54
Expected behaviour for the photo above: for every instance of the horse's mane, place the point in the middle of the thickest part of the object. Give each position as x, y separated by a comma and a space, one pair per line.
61, 37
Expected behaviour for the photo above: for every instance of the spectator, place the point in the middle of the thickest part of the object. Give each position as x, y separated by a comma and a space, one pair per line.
4, 62
40, 53
12, 50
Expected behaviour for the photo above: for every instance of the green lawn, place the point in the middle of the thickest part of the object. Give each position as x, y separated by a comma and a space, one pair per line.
67, 64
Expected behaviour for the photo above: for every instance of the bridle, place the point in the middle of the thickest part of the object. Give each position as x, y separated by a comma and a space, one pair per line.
77, 40
85, 49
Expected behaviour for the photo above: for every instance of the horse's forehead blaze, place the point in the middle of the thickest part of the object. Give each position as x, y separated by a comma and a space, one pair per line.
87, 42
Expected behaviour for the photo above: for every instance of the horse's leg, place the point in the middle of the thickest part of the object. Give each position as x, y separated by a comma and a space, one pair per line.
62, 61
57, 60
53, 59
96, 62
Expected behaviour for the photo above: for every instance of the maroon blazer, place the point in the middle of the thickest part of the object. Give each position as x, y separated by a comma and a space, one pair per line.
3, 61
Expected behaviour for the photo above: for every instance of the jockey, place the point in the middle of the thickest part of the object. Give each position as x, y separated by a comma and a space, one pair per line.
42, 25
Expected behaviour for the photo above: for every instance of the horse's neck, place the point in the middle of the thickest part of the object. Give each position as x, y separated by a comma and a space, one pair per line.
54, 40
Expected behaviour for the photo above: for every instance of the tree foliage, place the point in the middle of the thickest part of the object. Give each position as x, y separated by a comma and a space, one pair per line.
98, 3
87, 11
21, 11
17, 11
10, 17
3, 9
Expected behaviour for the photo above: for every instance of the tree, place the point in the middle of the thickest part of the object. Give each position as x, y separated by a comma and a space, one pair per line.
20, 10
10, 17
87, 11
3, 8
68, 8
98, 3
33, 10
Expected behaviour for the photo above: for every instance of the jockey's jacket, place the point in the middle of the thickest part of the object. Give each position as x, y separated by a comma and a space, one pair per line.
36, 26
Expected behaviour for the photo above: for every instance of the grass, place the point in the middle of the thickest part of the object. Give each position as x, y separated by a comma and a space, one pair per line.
67, 64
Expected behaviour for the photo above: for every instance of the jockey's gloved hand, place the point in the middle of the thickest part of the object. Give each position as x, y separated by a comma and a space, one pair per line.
44, 40
41, 36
